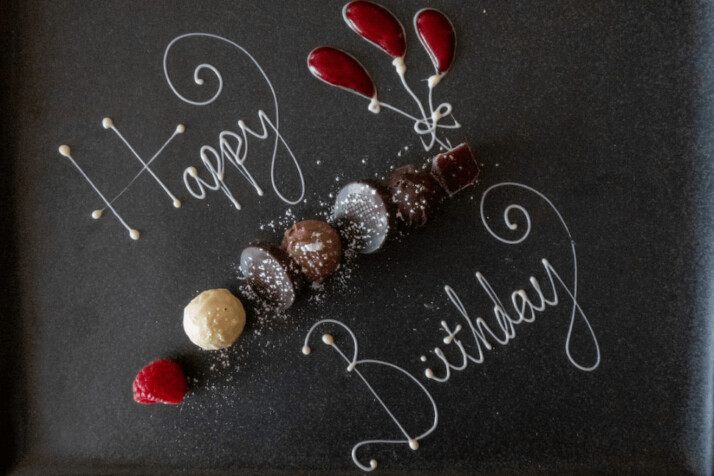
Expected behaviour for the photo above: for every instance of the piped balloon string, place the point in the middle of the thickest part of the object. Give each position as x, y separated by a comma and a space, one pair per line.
428, 126
381, 28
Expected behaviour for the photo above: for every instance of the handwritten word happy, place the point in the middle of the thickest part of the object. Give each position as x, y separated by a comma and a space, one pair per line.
232, 147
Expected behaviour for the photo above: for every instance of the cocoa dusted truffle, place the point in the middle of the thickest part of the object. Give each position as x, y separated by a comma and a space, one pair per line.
315, 247
415, 195
271, 274
455, 169
363, 215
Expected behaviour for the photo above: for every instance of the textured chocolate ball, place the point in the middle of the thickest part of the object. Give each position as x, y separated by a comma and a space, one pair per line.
415, 195
315, 247
214, 319
271, 274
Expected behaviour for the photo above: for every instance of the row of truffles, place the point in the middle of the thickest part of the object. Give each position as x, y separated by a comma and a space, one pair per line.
311, 251
365, 215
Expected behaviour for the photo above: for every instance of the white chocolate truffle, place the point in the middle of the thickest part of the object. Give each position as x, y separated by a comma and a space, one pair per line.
214, 319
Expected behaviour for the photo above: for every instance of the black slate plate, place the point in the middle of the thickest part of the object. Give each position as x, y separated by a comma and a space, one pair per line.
605, 108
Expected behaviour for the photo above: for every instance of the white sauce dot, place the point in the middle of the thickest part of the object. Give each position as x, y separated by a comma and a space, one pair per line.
306, 350
64, 150
413, 444
374, 105
327, 339
429, 373
107, 123
134, 234
97, 214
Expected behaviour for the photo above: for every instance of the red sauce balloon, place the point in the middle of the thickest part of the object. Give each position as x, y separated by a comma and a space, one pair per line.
437, 35
377, 25
339, 69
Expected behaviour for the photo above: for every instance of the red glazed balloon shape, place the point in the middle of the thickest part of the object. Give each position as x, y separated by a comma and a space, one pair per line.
438, 37
377, 25
337, 68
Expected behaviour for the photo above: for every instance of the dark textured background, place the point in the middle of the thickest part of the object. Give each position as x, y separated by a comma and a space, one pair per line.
603, 107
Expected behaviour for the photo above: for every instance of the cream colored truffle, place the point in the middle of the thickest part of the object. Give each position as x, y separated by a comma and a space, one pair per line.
214, 319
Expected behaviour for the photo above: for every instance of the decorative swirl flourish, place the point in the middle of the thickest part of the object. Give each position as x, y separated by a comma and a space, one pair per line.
196, 72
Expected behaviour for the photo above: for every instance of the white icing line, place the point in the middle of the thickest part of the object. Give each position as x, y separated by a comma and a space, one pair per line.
235, 157
217, 173
441, 115
244, 129
424, 127
524, 308
107, 123
549, 269
353, 363
65, 151
432, 125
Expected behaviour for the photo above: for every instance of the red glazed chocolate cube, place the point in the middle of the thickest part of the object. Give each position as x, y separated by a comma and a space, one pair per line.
455, 169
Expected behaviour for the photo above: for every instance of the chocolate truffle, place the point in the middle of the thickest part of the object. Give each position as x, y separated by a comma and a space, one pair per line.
363, 215
271, 274
315, 247
214, 319
415, 195
455, 169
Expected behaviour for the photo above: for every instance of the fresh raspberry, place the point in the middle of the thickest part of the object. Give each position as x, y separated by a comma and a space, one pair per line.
162, 381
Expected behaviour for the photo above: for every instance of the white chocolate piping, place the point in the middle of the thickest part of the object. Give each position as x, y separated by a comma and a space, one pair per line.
234, 156
525, 309
66, 152
107, 123
353, 364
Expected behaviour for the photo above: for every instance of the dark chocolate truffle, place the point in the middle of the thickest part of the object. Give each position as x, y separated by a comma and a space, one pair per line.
363, 215
271, 274
415, 195
455, 169
315, 247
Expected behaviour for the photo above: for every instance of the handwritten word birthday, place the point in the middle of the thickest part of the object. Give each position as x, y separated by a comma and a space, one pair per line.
525, 309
